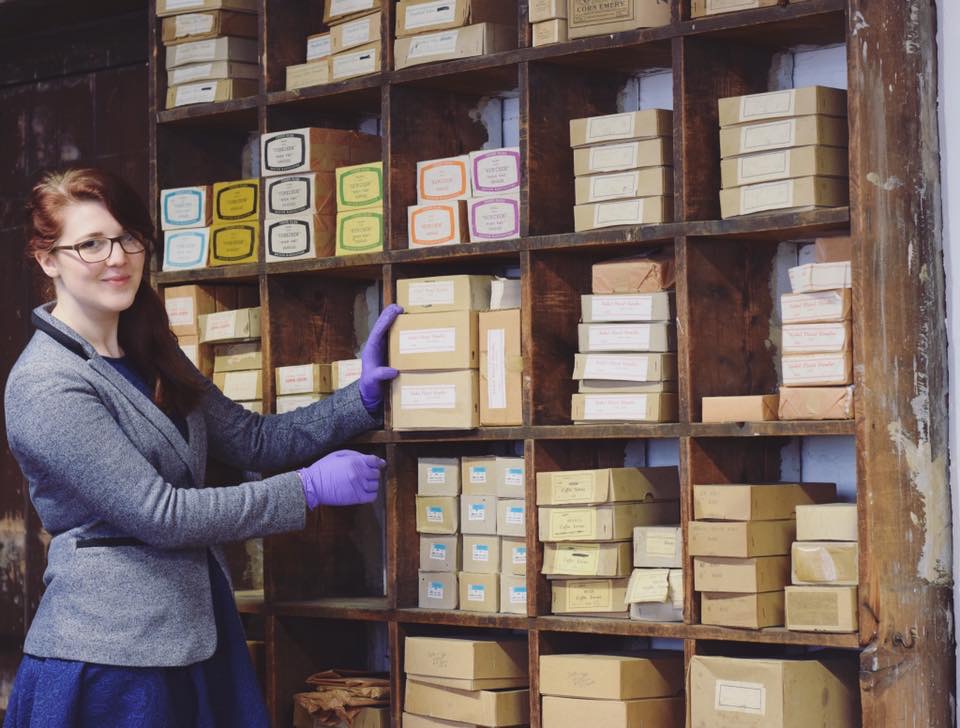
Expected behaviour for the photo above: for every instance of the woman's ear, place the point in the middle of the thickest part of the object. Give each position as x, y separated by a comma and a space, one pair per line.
47, 260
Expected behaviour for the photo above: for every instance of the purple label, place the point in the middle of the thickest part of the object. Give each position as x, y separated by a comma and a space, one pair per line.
508, 169
506, 231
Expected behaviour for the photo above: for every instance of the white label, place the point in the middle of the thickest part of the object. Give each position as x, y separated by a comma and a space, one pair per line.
823, 305
625, 406
440, 293
519, 556
435, 396
778, 103
318, 47
613, 186
296, 379
634, 337
518, 595
513, 476
192, 24
443, 180
428, 341
815, 369
481, 552
804, 338
424, 14
241, 385
478, 474
438, 552
198, 93
180, 311
432, 224
437, 475
762, 167
355, 64
475, 592
497, 171
621, 368
614, 156
768, 136
622, 308
185, 248
348, 372
515, 515
183, 207
434, 44
286, 151
201, 50
194, 72
347, 7
768, 196
740, 697
182, 4
435, 590
618, 213
490, 218
356, 33
477, 512
289, 195
615, 126
192, 352
496, 369
289, 239
435, 514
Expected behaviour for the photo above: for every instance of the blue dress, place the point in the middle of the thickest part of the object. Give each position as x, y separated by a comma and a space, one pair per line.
219, 692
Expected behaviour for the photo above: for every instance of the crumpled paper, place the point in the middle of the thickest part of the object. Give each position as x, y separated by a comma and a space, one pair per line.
338, 695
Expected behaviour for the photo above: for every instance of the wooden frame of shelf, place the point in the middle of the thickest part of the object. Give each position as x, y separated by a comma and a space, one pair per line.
325, 586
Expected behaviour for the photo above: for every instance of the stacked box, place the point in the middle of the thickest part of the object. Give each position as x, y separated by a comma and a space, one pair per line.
626, 365
438, 523
235, 232
238, 373
702, 8
624, 169
300, 385
185, 217
824, 570
783, 150
184, 306
344, 372
211, 50
587, 519
613, 691
548, 21
315, 70
740, 542
351, 45
586, 17
655, 592
359, 190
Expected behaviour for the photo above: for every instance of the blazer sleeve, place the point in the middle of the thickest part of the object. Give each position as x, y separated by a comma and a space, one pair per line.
71, 448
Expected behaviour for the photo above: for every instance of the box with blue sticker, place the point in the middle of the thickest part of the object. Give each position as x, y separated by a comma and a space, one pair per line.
513, 556
513, 594
511, 517
493, 475
438, 476
438, 590
438, 514
479, 592
440, 553
481, 554
478, 514
185, 207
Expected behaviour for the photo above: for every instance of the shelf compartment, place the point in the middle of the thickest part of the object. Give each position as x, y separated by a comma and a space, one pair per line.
371, 609
235, 114
354, 94
812, 22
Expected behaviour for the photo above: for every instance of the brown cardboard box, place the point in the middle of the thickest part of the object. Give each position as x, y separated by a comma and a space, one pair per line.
206, 92
589, 596
438, 590
481, 554
647, 182
501, 368
440, 553
617, 156
607, 485
834, 249
311, 149
431, 341
224, 48
816, 403
749, 408
611, 522
748, 611
811, 308
303, 379
637, 274
586, 408
622, 307
465, 659
447, 45
805, 101
817, 369
590, 17
513, 594
610, 560
741, 576
478, 514
246, 385
780, 164
815, 338
337, 11
438, 476
825, 562
513, 556
364, 718
213, 71
237, 357
822, 608
511, 517
199, 356
611, 677
344, 372
743, 539
354, 33
437, 223
623, 127
184, 306
304, 75
659, 547
801, 131
435, 400
549, 31
298, 194
361, 61
174, 7
438, 514
295, 237
481, 707
236, 325
444, 293
757, 502
629, 337
788, 194
422, 16
811, 277
479, 592
564, 712
730, 692
827, 522
639, 211
421, 721
625, 367
540, 10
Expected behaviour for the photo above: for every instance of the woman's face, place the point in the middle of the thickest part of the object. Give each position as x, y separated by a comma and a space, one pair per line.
98, 288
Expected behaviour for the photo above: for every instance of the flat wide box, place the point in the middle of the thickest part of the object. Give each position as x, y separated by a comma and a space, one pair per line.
801, 131
353, 33
586, 408
565, 712
627, 126
304, 75
817, 369
465, 659
239, 50
431, 341
337, 11
780, 164
607, 485
638, 211
611, 522
747, 611
240, 386
611, 677
185, 304
741, 576
622, 307
438, 514
811, 308
185, 207
440, 553
827, 522
360, 231
658, 547
207, 92
593, 17
213, 71
608, 560
478, 514
296, 237
615, 156
438, 590
444, 293
422, 16
233, 243
479, 592
480, 554
820, 276
804, 101
447, 45
659, 336
437, 223
638, 274
438, 476
501, 368
822, 608
480, 707
589, 596
208, 24
236, 325
816, 338
174, 7
757, 502
303, 379
625, 367
789, 194
748, 408
435, 400
311, 149
647, 182
744, 539
701, 8
816, 403
825, 562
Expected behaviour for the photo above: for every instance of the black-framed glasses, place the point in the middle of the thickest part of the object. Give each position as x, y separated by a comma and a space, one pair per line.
100, 248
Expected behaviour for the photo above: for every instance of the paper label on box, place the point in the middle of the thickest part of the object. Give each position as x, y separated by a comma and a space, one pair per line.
573, 486
354, 64
625, 406
519, 555
241, 385
740, 697
496, 370
356, 32
633, 368
477, 512
183, 207
189, 73
438, 552
661, 543
515, 515
435, 13
618, 213
613, 156
718, 5
289, 239
432, 396
433, 225
443, 180
476, 592
570, 523
180, 311
648, 585
518, 595
636, 337
289, 196
184, 249
495, 218
814, 369
821, 608
319, 47
437, 475
433, 44
192, 352
435, 590
767, 196
765, 136
428, 341
285, 151
621, 308
581, 560
615, 126
200, 50
183, 4
759, 167
675, 581
513, 476
779, 103
348, 7
435, 514
439, 293
297, 377
807, 306
496, 171
220, 325
613, 186
480, 552
348, 371
478, 474
814, 337
196, 93
583, 596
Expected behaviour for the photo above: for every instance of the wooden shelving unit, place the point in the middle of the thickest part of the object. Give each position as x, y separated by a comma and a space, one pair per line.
347, 584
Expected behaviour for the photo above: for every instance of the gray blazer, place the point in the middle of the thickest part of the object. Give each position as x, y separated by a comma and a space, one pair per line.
103, 461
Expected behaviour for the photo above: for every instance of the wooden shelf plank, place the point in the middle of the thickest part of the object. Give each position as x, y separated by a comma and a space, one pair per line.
792, 428
249, 601
774, 227
811, 22
456, 618
370, 609
243, 272
239, 113
361, 93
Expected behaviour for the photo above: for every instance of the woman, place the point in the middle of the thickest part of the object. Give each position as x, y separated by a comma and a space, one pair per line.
111, 426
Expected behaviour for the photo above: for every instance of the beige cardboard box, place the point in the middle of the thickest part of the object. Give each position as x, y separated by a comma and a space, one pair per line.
421, 721
658, 547
741, 576
625, 367
479, 474
801, 131
815, 338
444, 293
360, 231
435, 400
647, 182
447, 45
833, 249
750, 408
549, 31
364, 718
501, 368
637, 274
611, 522
185, 207
611, 560
511, 517
462, 684
817, 369
816, 403
493, 218
311, 149
743, 539
589, 596
478, 514
618, 156
304, 75
481, 554
303, 379
438, 590
437, 223
233, 243
184, 306
622, 307
319, 46
291, 402
205, 92
359, 186
237, 325
300, 194
344, 372
238, 50
590, 17
820, 276
623, 127
465, 659
510, 477
479, 592
639, 211
700, 8
655, 586
353, 33
431, 341
748, 611
237, 357
199, 356
206, 25
246, 385
254, 405
513, 594
730, 692
788, 194
296, 237
601, 386
630, 337
337, 11
236, 201
822, 608
443, 180
212, 71
611, 677
361, 61
607, 485
656, 612
811, 308
563, 712
826, 562
587, 408
438, 514
481, 707
422, 16
541, 10
513, 556
174, 7
780, 164
757, 502
438, 476
440, 553
827, 522
805, 101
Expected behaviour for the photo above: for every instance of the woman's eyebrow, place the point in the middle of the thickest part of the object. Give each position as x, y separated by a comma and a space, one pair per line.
87, 236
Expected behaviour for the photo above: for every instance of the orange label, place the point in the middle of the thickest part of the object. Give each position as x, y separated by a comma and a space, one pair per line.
443, 180
433, 225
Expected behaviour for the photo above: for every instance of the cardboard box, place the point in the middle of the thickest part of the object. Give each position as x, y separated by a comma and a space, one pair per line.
344, 372
481, 707
440, 553
655, 586
656, 612
647, 182
817, 369
701, 8
479, 592
815, 338
541, 10
630, 337
741, 576
319, 46
431, 341
640, 211
627, 126
303, 379
627, 307
658, 547
493, 218
421, 16
637, 274
549, 31
602, 386
465, 659
750, 408
237, 357
340, 10
805, 101
618, 156
511, 517
204, 92
478, 514
199, 356
437, 223
359, 186
788, 194
811, 308
832, 250
505, 293
625, 367
748, 611
513, 556
610, 560
185, 207
184, 304
443, 180
237, 325
825, 562
610, 522
802, 131
827, 522
292, 402
447, 45
585, 408
173, 7
213, 71
513, 594
232, 243
246, 385
607, 485
757, 502
295, 237
421, 721
589, 17
310, 149
444, 293
301, 194
727, 692
563, 712
435, 400
780, 164
438, 590
363, 718
816, 403
611, 677
822, 608
360, 232
481, 554
820, 277
589, 596
239, 50
353, 33
438, 514
495, 172
438, 476
744, 539
501, 368
236, 201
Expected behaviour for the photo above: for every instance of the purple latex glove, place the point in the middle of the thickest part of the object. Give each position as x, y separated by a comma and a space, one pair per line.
342, 478
374, 371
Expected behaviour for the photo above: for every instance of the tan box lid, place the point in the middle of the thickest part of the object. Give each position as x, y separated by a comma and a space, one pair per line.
611, 522
634, 211
589, 596
589, 408
782, 104
826, 562
590, 18
816, 338
817, 369
625, 126
827, 522
429, 341
465, 659
741, 576
637, 336
789, 194
623, 185
611, 560
444, 293
481, 707
616, 156
444, 45
237, 357
811, 308
607, 485
822, 608
802, 131
612, 677
174, 7
563, 712
816, 403
422, 16
748, 611
757, 502
743, 539
779, 164
618, 307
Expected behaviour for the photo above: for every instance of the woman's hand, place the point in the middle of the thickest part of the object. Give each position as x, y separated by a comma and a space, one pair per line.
342, 478
374, 371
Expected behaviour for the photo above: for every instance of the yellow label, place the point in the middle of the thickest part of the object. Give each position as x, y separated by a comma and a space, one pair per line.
233, 244
589, 596
572, 523
236, 200
582, 560
575, 486
661, 543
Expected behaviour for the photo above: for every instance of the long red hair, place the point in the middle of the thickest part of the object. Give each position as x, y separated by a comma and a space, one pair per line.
144, 330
